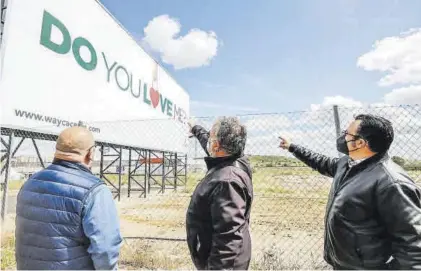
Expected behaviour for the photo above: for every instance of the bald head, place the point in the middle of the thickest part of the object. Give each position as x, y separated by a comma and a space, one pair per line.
75, 144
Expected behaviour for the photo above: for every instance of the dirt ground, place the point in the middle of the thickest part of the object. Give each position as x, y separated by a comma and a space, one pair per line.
286, 227
286, 230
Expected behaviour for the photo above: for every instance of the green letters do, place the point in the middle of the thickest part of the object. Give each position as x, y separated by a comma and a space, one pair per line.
48, 21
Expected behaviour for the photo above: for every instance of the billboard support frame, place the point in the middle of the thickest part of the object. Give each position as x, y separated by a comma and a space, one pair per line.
135, 173
5, 185
173, 161
105, 166
170, 175
177, 168
38, 153
181, 167
153, 181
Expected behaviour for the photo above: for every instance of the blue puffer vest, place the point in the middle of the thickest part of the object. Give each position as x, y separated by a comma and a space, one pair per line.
49, 233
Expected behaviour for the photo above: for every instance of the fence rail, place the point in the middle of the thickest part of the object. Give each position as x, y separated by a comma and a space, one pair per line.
287, 214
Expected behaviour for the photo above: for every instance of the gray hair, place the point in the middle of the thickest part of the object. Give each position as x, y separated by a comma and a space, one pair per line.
231, 134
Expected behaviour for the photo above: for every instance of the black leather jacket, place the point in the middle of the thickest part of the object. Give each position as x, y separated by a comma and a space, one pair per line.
373, 213
217, 220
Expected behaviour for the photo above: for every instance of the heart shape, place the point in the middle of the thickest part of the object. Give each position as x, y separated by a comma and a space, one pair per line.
154, 96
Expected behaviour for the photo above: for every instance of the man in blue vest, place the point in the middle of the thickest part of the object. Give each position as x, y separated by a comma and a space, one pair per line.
66, 217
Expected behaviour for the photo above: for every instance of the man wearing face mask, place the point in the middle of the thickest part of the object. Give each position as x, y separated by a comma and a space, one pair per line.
373, 215
66, 217
218, 216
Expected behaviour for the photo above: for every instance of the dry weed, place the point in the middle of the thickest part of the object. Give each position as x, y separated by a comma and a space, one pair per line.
8, 260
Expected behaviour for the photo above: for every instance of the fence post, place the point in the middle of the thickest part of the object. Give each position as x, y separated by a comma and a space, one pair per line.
6, 178
2, 19
337, 122
120, 171
129, 177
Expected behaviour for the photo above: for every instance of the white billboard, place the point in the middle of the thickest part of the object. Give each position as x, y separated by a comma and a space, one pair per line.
67, 63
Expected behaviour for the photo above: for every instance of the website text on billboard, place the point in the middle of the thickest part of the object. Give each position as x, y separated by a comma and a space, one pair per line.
53, 120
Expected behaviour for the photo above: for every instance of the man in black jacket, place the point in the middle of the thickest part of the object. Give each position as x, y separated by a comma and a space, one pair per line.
218, 216
373, 215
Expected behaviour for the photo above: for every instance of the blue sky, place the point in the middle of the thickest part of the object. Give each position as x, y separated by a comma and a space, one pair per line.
279, 56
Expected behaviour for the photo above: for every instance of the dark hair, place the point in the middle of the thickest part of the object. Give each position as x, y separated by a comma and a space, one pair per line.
231, 134
377, 131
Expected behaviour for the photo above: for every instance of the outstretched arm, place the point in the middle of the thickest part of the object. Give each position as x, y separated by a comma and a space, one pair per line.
202, 135
323, 164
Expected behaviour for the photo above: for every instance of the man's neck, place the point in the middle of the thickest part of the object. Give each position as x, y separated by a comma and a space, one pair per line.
221, 154
362, 156
71, 161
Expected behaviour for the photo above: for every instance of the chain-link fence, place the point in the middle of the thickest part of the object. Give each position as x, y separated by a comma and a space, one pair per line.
153, 187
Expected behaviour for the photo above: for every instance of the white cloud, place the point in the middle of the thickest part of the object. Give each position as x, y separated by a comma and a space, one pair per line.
319, 140
218, 105
330, 101
321, 115
267, 123
320, 135
263, 145
405, 95
195, 49
398, 56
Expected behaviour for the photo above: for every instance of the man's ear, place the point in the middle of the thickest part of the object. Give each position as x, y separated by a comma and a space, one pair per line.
362, 143
92, 154
217, 147
89, 156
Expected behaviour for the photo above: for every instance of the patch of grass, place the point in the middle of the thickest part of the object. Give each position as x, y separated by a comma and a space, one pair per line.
8, 260
15, 184
161, 255
270, 189
273, 161
113, 178
169, 204
154, 222
271, 259
264, 179
415, 174
274, 258
283, 171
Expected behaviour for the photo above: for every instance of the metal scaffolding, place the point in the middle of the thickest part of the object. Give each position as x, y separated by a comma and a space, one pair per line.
137, 179
104, 171
147, 169
156, 171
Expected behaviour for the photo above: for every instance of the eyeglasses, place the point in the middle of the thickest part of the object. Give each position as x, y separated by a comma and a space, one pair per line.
345, 132
93, 148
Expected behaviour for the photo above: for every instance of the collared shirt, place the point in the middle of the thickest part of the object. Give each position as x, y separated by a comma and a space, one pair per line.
101, 226
352, 163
